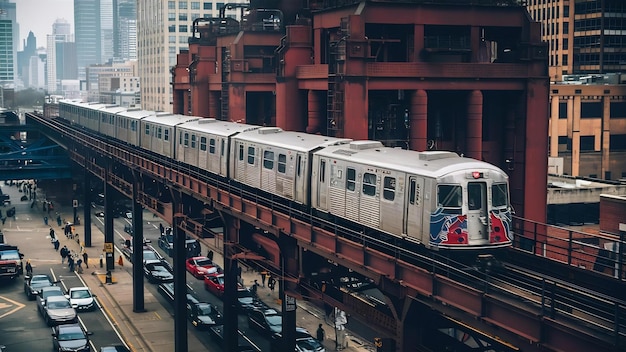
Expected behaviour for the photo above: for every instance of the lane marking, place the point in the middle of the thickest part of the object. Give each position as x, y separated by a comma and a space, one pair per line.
17, 304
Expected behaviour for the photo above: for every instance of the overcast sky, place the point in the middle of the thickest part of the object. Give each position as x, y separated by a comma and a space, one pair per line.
39, 15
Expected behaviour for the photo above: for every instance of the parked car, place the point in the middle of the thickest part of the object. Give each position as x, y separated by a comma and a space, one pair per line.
214, 283
158, 271
267, 321
70, 337
114, 348
33, 284
247, 301
203, 315
167, 291
46, 292
305, 342
200, 266
81, 298
58, 310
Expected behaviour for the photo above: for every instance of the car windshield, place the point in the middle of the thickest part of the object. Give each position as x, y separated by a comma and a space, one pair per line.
204, 309
204, 262
59, 305
244, 294
160, 269
78, 294
275, 320
50, 293
219, 280
150, 255
71, 333
37, 280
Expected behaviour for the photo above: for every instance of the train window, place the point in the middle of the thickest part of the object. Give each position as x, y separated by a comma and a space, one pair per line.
147, 129
268, 160
499, 195
350, 179
240, 152
203, 144
475, 191
369, 184
412, 191
166, 135
133, 126
211, 145
222, 147
389, 190
186, 139
251, 155
193, 141
322, 171
298, 161
449, 196
282, 163
159, 132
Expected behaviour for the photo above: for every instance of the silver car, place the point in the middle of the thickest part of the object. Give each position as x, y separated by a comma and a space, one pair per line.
58, 310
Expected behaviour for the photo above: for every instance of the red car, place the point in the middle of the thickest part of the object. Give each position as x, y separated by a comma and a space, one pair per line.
200, 266
214, 283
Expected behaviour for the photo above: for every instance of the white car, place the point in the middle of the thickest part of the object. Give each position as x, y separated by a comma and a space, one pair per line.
81, 298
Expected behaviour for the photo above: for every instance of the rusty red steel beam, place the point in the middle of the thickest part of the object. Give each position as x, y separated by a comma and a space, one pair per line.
536, 328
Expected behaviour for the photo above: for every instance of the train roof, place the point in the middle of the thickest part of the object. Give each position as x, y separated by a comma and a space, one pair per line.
217, 127
168, 119
298, 141
135, 113
112, 109
428, 163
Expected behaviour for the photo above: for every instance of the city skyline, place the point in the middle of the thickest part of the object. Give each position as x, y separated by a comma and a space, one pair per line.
38, 16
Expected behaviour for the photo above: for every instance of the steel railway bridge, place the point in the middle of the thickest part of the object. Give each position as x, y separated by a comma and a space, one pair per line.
539, 303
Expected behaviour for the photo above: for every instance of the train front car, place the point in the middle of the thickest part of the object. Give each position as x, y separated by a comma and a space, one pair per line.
472, 209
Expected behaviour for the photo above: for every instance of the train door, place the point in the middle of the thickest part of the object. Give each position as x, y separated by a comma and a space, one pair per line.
224, 158
413, 225
352, 194
301, 184
322, 185
477, 219
268, 172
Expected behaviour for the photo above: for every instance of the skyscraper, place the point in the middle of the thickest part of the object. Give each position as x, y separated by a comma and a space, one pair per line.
9, 40
93, 21
125, 29
61, 56
163, 29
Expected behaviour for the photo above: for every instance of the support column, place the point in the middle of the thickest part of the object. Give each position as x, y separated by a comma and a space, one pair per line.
605, 139
315, 113
418, 136
231, 275
576, 107
109, 195
355, 104
87, 208
535, 163
474, 138
289, 268
138, 286
554, 127
180, 283
214, 104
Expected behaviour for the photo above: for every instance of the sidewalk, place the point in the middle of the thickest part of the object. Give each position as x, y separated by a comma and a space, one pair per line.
153, 330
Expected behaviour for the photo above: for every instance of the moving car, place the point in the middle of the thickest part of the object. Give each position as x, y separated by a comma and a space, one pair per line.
214, 283
81, 298
158, 271
267, 321
247, 301
46, 292
203, 315
200, 266
33, 284
58, 310
70, 337
114, 348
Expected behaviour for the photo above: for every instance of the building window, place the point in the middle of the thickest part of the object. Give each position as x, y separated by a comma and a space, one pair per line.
566, 142
565, 60
617, 142
171, 39
171, 16
587, 143
195, 5
565, 27
182, 5
182, 28
591, 110
171, 29
565, 43
208, 5
565, 11
171, 5
563, 110
182, 17
618, 110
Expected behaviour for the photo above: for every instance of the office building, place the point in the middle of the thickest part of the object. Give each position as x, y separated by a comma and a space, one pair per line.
9, 40
125, 29
61, 56
163, 30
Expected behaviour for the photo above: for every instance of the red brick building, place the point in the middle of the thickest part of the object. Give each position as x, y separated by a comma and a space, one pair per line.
462, 75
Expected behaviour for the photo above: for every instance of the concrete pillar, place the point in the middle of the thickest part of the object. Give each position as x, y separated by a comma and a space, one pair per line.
315, 112
355, 112
474, 139
418, 135
535, 164
605, 139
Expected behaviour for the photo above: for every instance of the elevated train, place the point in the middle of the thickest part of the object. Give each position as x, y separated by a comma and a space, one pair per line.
436, 198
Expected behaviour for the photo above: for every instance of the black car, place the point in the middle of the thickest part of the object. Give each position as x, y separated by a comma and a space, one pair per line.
167, 291
203, 315
268, 321
247, 301
114, 348
244, 345
70, 337
33, 284
158, 271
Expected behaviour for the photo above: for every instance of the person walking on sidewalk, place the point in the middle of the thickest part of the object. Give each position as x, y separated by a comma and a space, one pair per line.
271, 283
29, 268
64, 254
79, 267
263, 276
56, 244
52, 234
70, 263
86, 259
320, 333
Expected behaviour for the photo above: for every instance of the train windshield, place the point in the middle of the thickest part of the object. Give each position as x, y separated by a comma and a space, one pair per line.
499, 195
449, 196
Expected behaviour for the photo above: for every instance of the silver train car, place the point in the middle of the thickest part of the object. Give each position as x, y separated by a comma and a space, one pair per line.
435, 198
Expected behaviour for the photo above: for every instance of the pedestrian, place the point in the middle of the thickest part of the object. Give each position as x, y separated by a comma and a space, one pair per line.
59, 219
263, 276
320, 333
79, 267
253, 289
161, 229
45, 220
56, 244
271, 283
52, 235
64, 254
210, 255
86, 259
29, 268
239, 277
70, 263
